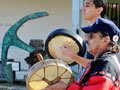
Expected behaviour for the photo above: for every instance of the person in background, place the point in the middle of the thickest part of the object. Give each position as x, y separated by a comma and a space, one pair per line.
103, 72
32, 58
92, 10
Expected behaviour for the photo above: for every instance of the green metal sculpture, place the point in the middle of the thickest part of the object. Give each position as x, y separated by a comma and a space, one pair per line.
11, 39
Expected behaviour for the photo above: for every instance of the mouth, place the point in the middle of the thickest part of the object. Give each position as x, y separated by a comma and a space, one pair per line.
83, 15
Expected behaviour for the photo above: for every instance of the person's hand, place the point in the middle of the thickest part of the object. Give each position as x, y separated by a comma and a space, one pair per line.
57, 86
66, 51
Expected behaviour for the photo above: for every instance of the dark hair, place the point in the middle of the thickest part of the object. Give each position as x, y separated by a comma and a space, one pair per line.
101, 3
113, 47
32, 58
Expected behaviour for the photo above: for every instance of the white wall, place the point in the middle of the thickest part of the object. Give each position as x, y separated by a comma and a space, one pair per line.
60, 16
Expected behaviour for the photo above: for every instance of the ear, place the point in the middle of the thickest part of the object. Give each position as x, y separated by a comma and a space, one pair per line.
100, 9
106, 39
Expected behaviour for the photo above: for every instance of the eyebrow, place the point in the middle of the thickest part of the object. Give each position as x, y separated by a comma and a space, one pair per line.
87, 3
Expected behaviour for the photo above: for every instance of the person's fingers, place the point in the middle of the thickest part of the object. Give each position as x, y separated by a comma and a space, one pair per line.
47, 89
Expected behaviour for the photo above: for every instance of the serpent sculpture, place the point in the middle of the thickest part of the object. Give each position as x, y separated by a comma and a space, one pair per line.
11, 39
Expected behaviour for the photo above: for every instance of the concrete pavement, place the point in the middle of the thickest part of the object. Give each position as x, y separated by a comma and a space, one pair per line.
12, 87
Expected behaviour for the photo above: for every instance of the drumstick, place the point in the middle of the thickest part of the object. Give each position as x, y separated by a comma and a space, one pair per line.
39, 56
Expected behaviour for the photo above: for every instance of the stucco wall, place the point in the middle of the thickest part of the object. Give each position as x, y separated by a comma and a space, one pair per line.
60, 16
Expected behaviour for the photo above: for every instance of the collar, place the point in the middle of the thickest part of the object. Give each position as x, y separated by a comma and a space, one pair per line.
104, 54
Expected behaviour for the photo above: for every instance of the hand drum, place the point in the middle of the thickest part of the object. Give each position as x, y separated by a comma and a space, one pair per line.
62, 37
48, 72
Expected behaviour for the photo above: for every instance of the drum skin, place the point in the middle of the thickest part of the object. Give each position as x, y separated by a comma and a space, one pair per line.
48, 72
63, 36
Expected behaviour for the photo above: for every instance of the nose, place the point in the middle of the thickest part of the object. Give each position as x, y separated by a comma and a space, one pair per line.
83, 9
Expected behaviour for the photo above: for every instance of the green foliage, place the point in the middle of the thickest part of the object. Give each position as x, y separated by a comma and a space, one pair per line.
114, 1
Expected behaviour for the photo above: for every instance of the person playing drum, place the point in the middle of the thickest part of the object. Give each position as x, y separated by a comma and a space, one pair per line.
102, 73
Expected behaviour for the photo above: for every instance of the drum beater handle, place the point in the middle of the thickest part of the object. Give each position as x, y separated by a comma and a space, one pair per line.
39, 56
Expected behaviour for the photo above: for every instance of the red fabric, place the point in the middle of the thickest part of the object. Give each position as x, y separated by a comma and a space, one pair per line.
96, 83
87, 64
119, 80
74, 87
88, 69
